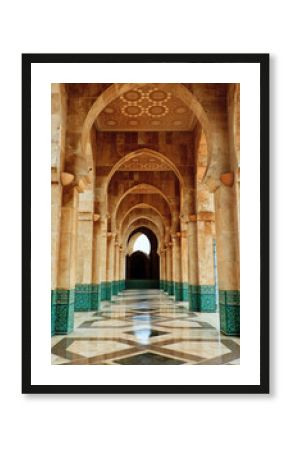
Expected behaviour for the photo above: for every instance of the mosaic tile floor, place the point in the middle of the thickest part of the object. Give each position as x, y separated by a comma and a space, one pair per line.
145, 327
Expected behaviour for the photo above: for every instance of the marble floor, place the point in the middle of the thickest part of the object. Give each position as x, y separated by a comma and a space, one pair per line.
145, 327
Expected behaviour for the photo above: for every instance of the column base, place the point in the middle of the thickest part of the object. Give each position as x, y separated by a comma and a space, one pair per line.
170, 287
165, 285
53, 312
121, 285
202, 298
178, 291
115, 287
184, 292
87, 297
64, 310
229, 305
95, 297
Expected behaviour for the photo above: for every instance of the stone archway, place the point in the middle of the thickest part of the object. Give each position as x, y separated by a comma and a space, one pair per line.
118, 89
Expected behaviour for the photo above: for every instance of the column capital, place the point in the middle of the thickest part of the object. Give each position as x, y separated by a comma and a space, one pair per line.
85, 216
184, 218
192, 218
227, 179
66, 178
181, 234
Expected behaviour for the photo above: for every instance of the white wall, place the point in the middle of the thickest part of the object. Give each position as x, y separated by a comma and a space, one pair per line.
77, 422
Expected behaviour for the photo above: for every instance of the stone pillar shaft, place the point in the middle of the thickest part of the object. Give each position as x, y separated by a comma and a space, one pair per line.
192, 265
56, 194
168, 271
184, 261
176, 266
86, 292
115, 287
122, 270
228, 259
206, 284
110, 265
65, 292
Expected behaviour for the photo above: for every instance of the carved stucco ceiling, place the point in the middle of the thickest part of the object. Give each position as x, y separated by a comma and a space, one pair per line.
151, 107
144, 163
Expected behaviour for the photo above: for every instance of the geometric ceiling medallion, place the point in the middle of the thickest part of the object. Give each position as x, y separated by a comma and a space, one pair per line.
157, 111
132, 111
137, 103
133, 96
147, 107
157, 95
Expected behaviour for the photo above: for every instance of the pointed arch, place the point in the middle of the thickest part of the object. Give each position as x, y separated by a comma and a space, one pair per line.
141, 206
117, 89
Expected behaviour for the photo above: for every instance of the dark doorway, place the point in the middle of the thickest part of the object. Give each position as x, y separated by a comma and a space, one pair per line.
142, 270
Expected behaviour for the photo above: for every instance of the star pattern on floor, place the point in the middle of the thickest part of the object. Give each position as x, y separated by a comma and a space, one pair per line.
145, 327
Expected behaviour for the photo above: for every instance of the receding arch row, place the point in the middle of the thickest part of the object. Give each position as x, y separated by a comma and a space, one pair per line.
134, 189
142, 206
141, 222
159, 226
148, 152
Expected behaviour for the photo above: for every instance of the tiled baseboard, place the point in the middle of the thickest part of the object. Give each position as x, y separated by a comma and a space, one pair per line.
202, 298
229, 305
62, 311
180, 291
85, 297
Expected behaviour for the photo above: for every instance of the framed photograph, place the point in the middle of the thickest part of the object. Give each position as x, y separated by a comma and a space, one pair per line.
145, 223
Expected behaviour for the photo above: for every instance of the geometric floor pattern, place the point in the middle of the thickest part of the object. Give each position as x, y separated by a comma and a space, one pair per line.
145, 327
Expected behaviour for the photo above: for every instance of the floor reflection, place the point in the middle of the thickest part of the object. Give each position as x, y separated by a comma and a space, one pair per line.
145, 327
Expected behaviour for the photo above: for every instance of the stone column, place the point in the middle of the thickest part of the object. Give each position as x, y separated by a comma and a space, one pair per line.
58, 133
184, 259
168, 269
102, 259
206, 280
176, 266
116, 281
162, 269
65, 293
228, 256
83, 288
171, 289
96, 272
192, 263
110, 264
122, 269
56, 194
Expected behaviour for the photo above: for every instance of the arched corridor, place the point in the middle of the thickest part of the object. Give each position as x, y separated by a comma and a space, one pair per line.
159, 160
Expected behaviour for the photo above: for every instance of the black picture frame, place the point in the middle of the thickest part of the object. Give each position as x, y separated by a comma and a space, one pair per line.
263, 61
